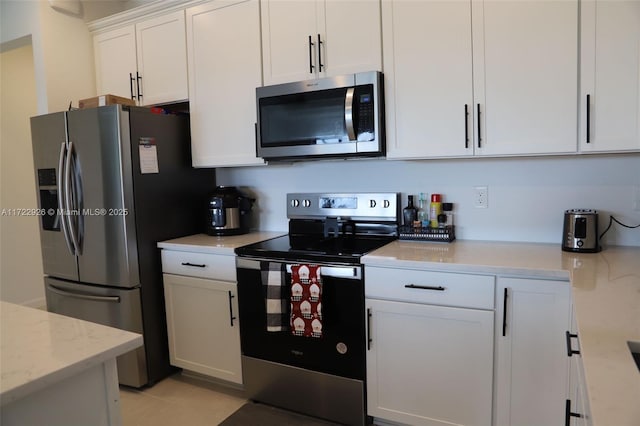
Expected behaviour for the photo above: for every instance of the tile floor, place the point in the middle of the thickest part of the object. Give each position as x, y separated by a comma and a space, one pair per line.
179, 400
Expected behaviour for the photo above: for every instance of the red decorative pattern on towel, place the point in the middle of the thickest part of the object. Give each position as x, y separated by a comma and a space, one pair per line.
306, 300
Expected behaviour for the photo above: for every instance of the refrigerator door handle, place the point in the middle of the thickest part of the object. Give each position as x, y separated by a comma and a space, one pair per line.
61, 292
61, 196
69, 202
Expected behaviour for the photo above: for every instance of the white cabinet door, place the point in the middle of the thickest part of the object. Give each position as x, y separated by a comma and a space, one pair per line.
223, 41
525, 76
289, 54
428, 78
203, 327
531, 355
577, 409
351, 37
115, 59
429, 365
162, 59
308, 39
610, 76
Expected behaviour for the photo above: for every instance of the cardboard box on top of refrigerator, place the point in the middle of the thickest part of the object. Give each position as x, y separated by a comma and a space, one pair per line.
104, 100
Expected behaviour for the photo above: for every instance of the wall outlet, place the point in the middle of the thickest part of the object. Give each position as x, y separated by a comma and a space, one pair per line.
481, 197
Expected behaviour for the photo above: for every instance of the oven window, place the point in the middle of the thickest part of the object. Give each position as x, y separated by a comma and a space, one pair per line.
303, 119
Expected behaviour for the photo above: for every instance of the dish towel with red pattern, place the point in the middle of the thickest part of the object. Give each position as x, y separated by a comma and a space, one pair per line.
306, 300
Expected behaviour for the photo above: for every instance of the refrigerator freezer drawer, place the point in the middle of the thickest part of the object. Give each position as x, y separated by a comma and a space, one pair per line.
108, 306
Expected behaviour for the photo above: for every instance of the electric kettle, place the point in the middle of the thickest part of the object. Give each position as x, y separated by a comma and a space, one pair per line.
580, 231
229, 211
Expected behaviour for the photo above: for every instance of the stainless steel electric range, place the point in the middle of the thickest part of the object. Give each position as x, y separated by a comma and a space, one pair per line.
303, 347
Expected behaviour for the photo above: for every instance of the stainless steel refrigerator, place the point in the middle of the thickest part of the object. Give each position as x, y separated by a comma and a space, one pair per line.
112, 182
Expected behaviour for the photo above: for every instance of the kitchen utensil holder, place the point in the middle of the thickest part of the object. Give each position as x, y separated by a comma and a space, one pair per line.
411, 233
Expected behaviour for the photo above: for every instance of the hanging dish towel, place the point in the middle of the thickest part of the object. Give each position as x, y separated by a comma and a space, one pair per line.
273, 281
306, 300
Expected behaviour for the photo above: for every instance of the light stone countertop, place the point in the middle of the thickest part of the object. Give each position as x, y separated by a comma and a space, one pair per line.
39, 348
202, 243
606, 298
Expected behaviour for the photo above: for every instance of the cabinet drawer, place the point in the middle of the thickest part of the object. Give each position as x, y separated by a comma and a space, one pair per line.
201, 265
435, 288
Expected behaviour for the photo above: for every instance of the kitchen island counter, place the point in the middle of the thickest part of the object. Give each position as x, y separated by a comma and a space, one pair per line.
606, 299
63, 366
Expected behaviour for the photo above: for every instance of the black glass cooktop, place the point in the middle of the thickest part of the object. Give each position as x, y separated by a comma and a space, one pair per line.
336, 249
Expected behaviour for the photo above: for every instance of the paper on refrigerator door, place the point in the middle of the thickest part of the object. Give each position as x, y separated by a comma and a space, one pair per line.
148, 155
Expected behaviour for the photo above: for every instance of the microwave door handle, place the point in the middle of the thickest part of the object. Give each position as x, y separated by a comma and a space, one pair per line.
348, 113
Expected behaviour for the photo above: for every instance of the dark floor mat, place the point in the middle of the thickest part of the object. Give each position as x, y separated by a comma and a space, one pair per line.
255, 414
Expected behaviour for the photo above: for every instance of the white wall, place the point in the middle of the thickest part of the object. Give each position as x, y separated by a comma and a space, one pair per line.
527, 196
60, 69
20, 261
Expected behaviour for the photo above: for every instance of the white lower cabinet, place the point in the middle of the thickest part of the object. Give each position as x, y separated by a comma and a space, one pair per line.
430, 349
202, 313
531, 356
577, 411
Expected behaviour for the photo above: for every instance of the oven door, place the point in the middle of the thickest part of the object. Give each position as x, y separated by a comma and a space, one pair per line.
341, 348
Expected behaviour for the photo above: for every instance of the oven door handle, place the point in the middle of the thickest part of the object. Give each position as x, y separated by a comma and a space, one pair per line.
336, 272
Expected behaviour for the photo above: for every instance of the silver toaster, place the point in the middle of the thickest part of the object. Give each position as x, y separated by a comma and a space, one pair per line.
580, 231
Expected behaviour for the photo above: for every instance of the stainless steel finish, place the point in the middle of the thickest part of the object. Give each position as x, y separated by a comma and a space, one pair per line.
335, 398
61, 189
70, 201
232, 218
107, 306
580, 231
109, 234
369, 206
335, 149
58, 291
348, 113
46, 133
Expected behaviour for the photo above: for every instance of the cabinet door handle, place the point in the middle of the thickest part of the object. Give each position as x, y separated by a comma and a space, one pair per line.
319, 54
570, 351
369, 339
568, 413
425, 287
138, 81
310, 56
231, 317
504, 313
466, 125
196, 265
588, 119
131, 80
479, 129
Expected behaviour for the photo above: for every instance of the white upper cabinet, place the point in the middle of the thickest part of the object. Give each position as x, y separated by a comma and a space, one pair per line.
115, 57
223, 39
480, 77
526, 76
610, 76
146, 61
428, 78
303, 40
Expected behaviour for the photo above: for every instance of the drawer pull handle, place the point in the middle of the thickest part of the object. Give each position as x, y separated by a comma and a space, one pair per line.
568, 413
369, 339
425, 287
197, 265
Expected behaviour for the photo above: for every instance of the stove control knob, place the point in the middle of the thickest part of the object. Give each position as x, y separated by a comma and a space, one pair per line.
372, 203
295, 203
306, 203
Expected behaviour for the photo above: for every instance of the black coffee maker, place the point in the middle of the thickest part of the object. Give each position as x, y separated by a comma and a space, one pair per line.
229, 212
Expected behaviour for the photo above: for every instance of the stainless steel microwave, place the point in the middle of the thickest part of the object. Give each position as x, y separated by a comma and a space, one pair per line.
339, 116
